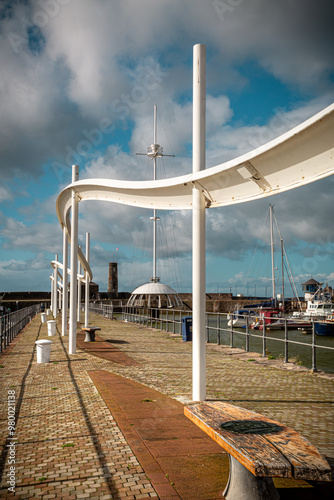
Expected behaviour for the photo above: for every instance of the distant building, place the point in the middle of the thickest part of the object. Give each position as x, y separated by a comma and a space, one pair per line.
312, 289
328, 291
93, 290
113, 280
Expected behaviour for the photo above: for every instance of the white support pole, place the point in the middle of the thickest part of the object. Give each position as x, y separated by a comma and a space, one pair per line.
79, 292
74, 264
55, 289
59, 298
65, 283
87, 282
198, 330
51, 303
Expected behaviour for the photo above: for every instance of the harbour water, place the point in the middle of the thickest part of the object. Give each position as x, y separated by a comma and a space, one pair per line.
299, 345
275, 345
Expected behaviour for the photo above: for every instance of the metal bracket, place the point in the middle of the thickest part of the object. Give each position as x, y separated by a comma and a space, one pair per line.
248, 171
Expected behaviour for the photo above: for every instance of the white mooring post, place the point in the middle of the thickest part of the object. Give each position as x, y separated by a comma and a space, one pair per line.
74, 264
87, 282
55, 289
198, 226
65, 283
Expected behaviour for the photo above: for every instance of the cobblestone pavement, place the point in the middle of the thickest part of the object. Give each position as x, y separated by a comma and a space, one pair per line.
67, 443
290, 394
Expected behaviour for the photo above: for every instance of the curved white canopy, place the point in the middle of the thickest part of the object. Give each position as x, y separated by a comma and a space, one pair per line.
302, 155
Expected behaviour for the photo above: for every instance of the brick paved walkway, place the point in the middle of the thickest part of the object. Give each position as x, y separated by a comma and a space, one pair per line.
68, 444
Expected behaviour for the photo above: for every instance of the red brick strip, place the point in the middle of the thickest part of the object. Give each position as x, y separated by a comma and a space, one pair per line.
177, 457
105, 350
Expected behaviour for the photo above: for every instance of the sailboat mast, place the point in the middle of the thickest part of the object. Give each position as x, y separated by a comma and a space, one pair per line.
272, 253
154, 278
154, 151
282, 257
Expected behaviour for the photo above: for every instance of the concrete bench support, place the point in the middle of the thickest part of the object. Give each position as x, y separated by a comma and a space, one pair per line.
243, 485
90, 333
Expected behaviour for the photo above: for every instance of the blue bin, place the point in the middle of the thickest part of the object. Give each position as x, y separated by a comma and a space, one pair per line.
187, 328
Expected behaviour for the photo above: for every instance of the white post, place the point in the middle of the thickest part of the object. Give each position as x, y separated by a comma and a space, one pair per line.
74, 264
87, 283
79, 292
198, 329
154, 211
51, 303
55, 288
65, 283
59, 298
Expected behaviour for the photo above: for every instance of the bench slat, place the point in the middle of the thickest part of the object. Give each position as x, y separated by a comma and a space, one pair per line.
305, 458
251, 450
281, 454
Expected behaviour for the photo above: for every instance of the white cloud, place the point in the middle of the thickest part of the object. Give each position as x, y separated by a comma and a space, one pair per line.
79, 82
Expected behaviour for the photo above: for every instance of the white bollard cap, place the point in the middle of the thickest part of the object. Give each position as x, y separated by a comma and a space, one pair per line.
43, 341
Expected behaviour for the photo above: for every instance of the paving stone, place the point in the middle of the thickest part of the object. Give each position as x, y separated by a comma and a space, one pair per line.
58, 405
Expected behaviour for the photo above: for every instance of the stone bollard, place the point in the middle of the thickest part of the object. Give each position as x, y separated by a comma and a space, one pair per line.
43, 350
43, 317
52, 327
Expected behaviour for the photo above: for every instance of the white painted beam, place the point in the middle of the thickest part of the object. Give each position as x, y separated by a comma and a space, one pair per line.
198, 225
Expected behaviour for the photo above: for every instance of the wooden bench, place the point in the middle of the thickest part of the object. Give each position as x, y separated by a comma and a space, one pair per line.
259, 449
90, 333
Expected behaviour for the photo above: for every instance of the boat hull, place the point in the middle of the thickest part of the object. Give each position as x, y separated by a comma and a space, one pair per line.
325, 328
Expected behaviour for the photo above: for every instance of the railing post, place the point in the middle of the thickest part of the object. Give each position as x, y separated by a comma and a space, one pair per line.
11, 329
286, 343
247, 334
218, 328
314, 363
207, 327
264, 347
1, 334
231, 334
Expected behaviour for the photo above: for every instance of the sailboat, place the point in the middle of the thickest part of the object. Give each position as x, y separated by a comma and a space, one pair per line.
269, 313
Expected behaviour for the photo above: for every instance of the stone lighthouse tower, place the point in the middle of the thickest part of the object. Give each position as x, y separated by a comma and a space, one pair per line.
113, 279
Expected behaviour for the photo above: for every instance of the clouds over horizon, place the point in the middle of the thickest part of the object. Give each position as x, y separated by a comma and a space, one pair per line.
60, 81
78, 85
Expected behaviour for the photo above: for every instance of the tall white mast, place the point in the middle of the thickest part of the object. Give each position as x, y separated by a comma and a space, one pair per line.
154, 151
272, 253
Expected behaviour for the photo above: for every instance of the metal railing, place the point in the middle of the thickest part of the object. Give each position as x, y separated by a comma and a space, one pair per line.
12, 323
165, 319
267, 335
287, 346
105, 310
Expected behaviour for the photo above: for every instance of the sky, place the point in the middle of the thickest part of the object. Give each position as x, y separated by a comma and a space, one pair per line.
78, 83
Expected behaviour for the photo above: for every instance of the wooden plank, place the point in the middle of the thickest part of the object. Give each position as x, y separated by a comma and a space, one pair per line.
305, 458
297, 456
252, 450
